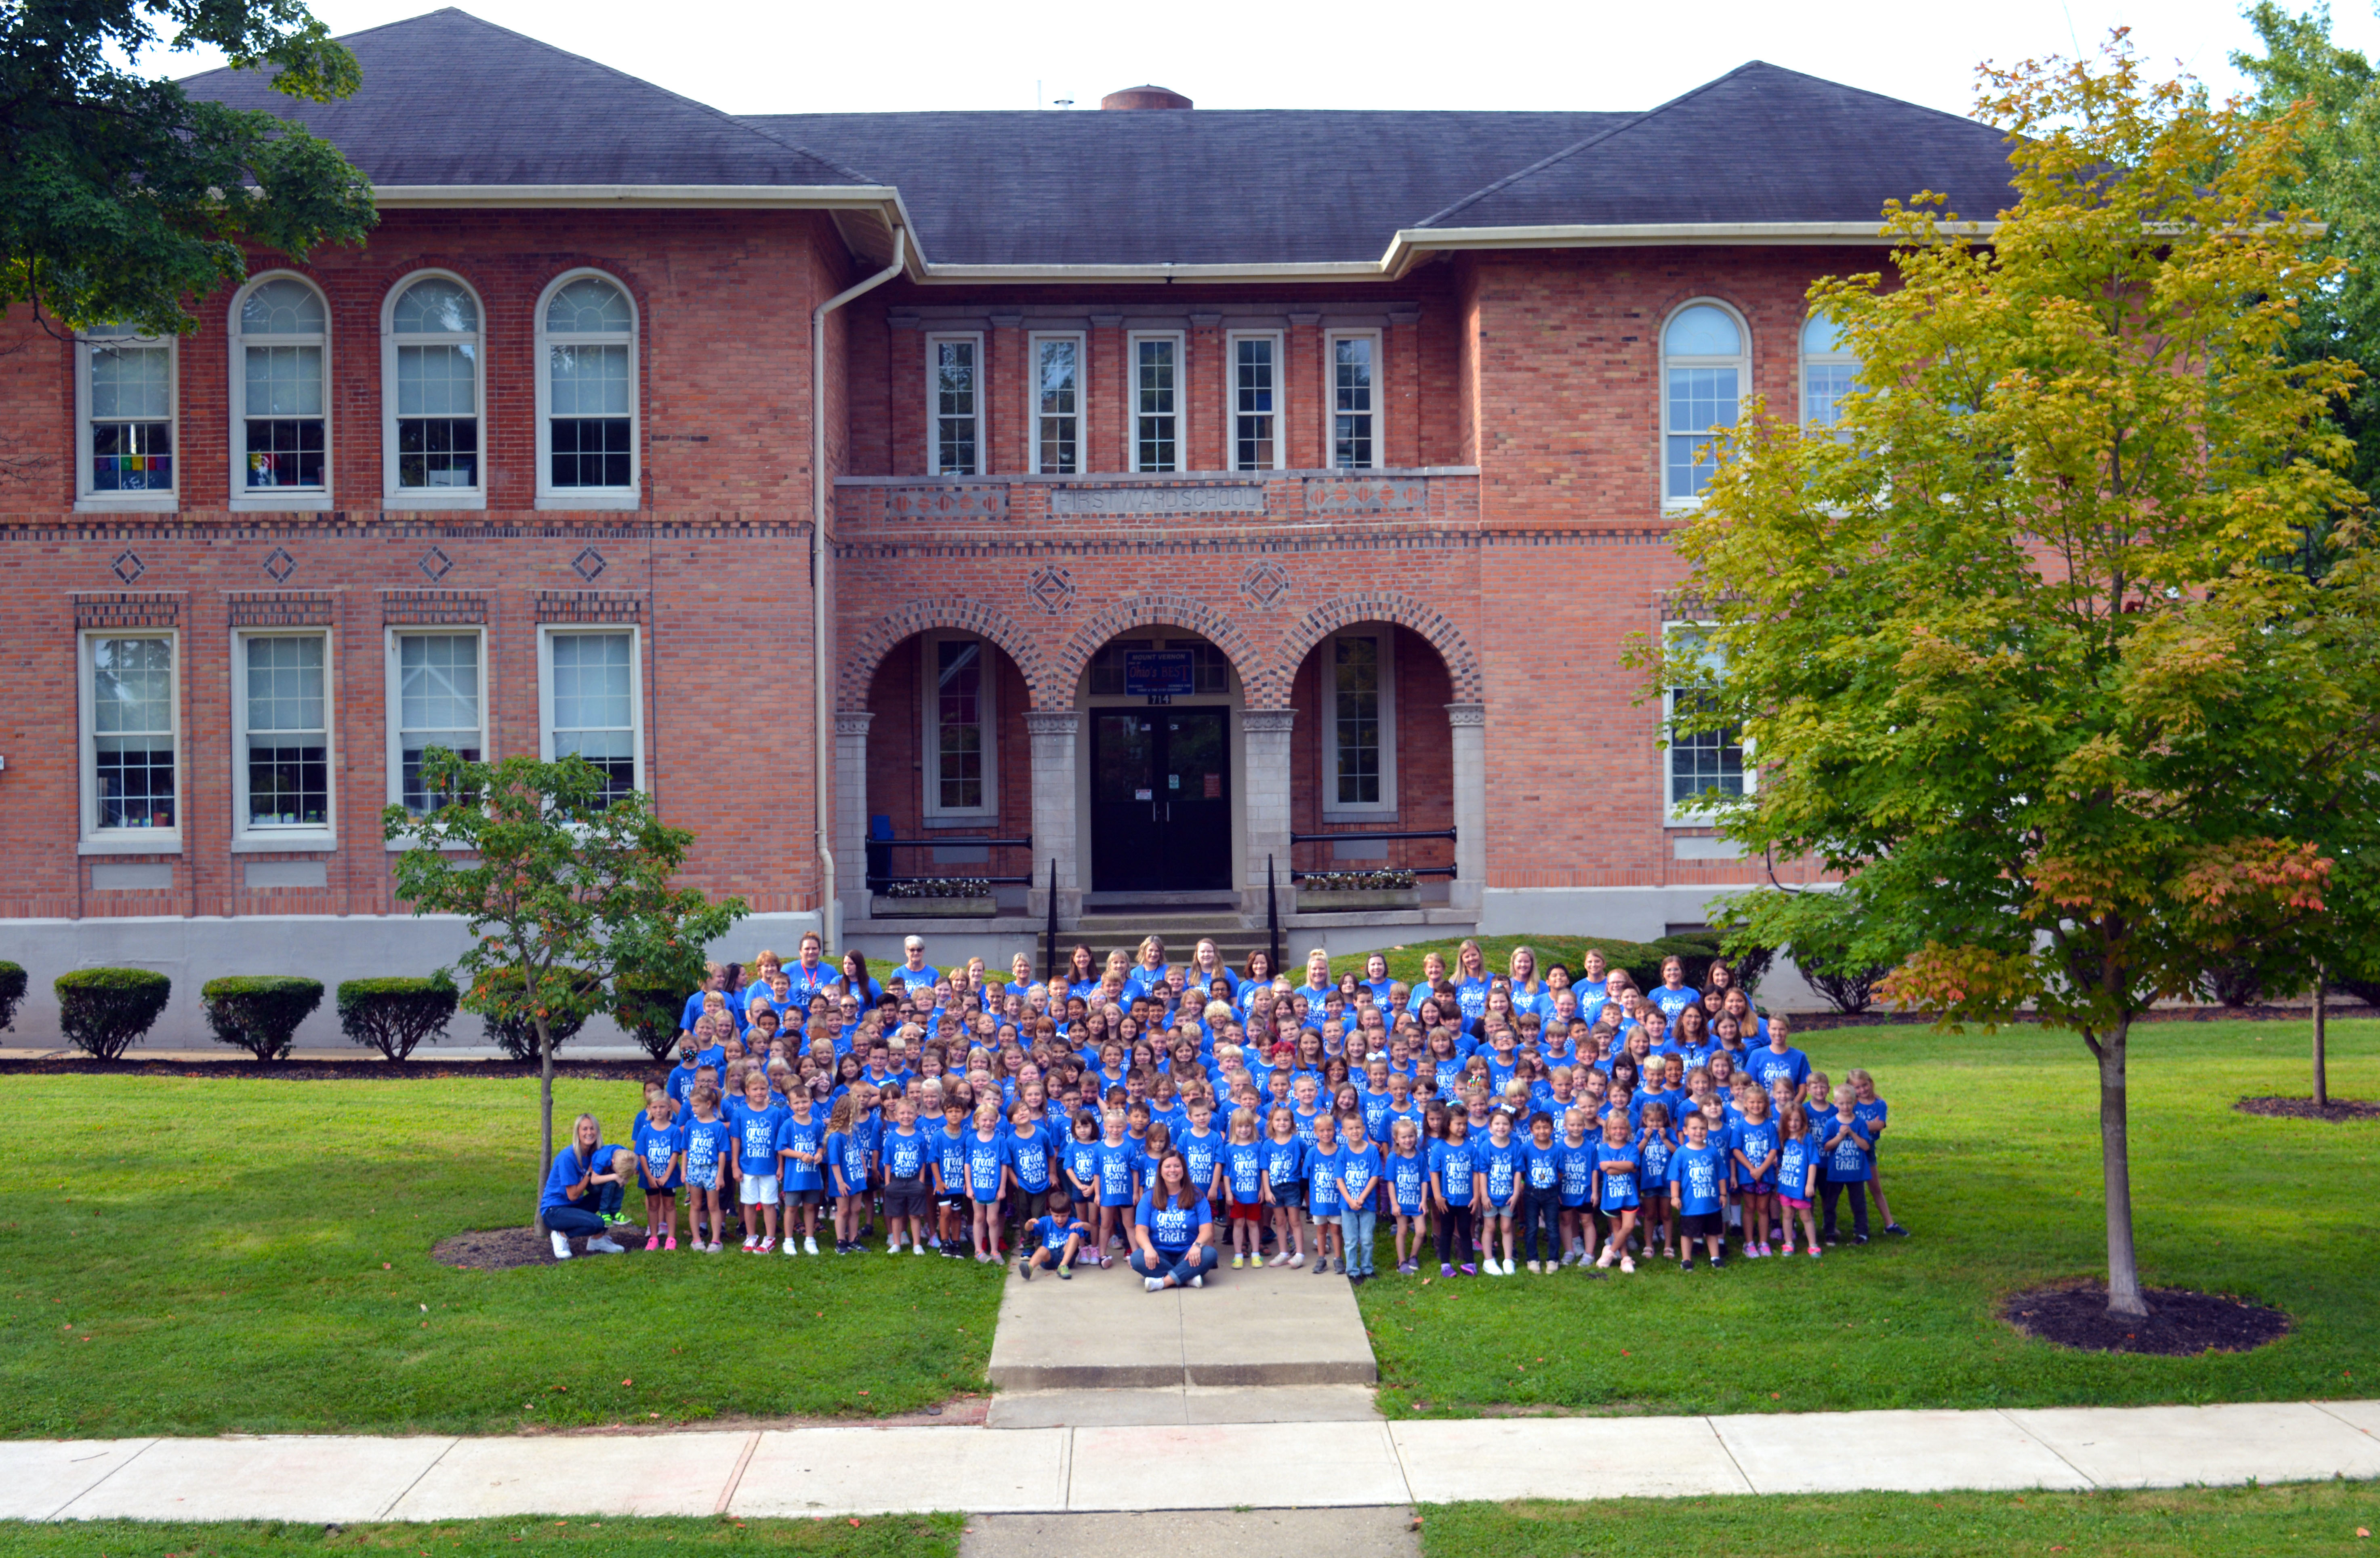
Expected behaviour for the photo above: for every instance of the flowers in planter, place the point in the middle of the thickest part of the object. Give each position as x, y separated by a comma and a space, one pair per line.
940, 887
1394, 881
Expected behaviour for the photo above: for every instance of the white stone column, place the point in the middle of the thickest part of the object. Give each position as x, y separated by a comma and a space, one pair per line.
1264, 791
1468, 724
1056, 736
850, 818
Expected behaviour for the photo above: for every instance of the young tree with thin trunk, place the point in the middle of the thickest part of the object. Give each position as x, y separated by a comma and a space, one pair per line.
2021, 643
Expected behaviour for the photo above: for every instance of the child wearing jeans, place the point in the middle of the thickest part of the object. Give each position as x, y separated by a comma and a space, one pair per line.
1849, 1154
1359, 1196
1872, 1113
1454, 1182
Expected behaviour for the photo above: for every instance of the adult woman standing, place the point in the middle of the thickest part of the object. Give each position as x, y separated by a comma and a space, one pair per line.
579, 1170
1471, 979
1258, 979
1149, 970
1529, 992
856, 980
1172, 1229
1206, 966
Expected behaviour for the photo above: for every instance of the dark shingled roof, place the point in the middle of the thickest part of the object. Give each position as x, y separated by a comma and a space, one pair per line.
448, 98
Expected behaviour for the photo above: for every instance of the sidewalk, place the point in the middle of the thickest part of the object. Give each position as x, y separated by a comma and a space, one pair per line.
1028, 1470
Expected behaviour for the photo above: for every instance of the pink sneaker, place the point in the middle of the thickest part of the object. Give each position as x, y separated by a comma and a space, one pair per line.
653, 1241
671, 1243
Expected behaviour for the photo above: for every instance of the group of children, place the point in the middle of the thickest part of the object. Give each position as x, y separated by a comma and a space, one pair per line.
1491, 1120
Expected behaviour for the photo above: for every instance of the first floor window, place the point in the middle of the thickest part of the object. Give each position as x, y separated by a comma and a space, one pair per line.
1057, 390
128, 447
286, 755
440, 703
132, 731
1255, 417
959, 727
1157, 388
1706, 763
1357, 720
953, 362
591, 703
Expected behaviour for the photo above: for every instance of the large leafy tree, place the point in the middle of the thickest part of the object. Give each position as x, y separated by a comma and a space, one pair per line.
120, 198
563, 888
2021, 644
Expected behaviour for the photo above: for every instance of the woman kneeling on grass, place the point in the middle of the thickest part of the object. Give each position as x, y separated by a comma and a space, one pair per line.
1170, 1229
579, 1171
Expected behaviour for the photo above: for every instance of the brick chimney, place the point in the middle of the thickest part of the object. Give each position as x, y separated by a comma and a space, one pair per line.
1145, 97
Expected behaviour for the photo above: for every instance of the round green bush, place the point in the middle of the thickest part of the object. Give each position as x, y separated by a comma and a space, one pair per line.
394, 1016
260, 1013
102, 1012
13, 984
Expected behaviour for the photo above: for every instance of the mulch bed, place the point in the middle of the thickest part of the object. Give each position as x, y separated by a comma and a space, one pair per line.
372, 1069
2181, 1323
2306, 1109
498, 1249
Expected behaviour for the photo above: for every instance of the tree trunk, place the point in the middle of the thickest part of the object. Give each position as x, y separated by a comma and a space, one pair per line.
2321, 1057
2115, 1169
544, 1102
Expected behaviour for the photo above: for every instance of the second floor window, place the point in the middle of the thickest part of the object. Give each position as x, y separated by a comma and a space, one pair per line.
1355, 402
1057, 393
127, 455
434, 325
952, 366
280, 430
1703, 371
1256, 414
1157, 403
1828, 370
589, 332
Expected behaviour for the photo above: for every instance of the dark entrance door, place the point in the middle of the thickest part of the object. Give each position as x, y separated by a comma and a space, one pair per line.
1161, 801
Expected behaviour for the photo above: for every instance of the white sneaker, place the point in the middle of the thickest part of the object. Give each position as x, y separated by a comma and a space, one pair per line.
913, 1249
562, 1247
1491, 1268
1198, 1281
892, 1249
1298, 1259
1627, 1265
789, 1244
1153, 1283
809, 1244
712, 1246
1604, 1261
1280, 1258
750, 1240
603, 1246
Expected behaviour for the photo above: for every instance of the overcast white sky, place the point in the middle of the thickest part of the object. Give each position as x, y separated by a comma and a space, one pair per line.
750, 57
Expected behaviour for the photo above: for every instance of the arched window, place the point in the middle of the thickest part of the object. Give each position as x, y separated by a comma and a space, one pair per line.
280, 423
1704, 361
1827, 371
587, 395
433, 383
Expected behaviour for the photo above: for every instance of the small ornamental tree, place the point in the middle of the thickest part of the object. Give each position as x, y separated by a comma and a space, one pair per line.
2022, 642
396, 1015
260, 1013
560, 885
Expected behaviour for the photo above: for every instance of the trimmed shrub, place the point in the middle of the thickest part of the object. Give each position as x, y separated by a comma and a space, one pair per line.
2233, 984
2365, 990
505, 1020
102, 1012
260, 1013
394, 1016
647, 1010
13, 984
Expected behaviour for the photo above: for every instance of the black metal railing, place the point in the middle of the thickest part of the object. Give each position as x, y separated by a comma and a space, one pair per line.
1445, 833
881, 876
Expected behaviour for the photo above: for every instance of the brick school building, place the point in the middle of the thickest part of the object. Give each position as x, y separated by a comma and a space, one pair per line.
1150, 508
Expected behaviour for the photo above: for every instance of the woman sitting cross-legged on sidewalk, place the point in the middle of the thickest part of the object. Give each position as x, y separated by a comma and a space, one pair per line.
579, 1173
1171, 1228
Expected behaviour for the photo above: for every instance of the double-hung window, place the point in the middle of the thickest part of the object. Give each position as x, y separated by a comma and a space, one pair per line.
587, 423
281, 739
1359, 742
131, 739
1355, 363
280, 425
954, 403
432, 384
960, 779
1057, 391
588, 681
1255, 394
437, 691
1828, 369
1703, 764
124, 394
1703, 366
1156, 402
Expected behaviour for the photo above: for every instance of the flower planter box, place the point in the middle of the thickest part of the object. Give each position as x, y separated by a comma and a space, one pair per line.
1328, 900
935, 909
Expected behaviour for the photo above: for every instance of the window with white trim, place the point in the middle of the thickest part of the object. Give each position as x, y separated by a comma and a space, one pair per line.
1359, 745
1704, 764
1156, 402
125, 398
1355, 360
1255, 394
281, 735
1829, 372
433, 383
587, 393
131, 737
1705, 363
954, 403
1057, 391
437, 696
279, 422
961, 774
588, 701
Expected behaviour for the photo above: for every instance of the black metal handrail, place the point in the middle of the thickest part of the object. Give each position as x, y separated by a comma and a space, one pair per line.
1447, 871
878, 880
1446, 833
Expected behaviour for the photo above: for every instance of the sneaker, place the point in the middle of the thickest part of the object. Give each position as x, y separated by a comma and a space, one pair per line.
1718, 1263
917, 1249
603, 1246
1446, 1268
1896, 1230
1065, 1275
562, 1247
1814, 1252
1282, 1258
1536, 1269
1859, 1238
1025, 1271
1753, 1251
1687, 1264
809, 1244
1153, 1285
1239, 1261
1296, 1259
615, 1219
1604, 1259
713, 1248
652, 1241
749, 1240
1199, 1280
1491, 1268
1468, 1269
670, 1243
892, 1249
1627, 1265
1789, 1246
789, 1244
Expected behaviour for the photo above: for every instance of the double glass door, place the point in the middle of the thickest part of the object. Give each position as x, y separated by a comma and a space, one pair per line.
1161, 799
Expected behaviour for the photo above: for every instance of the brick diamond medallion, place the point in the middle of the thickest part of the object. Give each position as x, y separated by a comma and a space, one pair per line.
436, 564
1264, 584
128, 565
589, 562
279, 565
1053, 589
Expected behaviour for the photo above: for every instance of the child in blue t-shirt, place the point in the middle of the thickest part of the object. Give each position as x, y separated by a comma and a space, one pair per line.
907, 1159
1359, 1187
1453, 1183
1755, 1154
837, 1156
1322, 1194
988, 1180
1118, 1166
1574, 1165
708, 1145
1617, 1165
661, 1150
755, 1119
1872, 1113
1081, 1171
1500, 1176
1055, 1238
1655, 1213
1238, 1173
1797, 1175
950, 1176
1032, 1163
1408, 1175
801, 1147
1541, 1202
1698, 1182
1285, 1185
1849, 1154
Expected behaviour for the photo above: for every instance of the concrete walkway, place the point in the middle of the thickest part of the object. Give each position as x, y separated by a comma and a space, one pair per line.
1300, 1465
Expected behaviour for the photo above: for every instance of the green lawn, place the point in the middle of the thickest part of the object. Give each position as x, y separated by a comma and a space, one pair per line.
200, 1256
1994, 1162
2178, 1523
903, 1536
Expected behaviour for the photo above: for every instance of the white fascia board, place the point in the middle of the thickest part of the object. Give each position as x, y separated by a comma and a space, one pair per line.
1412, 242
827, 197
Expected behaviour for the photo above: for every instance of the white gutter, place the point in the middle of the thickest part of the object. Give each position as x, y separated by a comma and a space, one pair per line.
823, 754
678, 196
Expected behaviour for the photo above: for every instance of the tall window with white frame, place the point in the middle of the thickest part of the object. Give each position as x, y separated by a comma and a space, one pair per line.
127, 397
1829, 372
281, 427
1057, 393
284, 774
1256, 426
1355, 402
954, 364
1708, 764
1357, 720
434, 326
590, 431
440, 703
591, 683
1703, 367
959, 729
132, 735
1157, 403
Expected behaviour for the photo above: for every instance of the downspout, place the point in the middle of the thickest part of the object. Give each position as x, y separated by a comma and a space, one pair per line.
823, 744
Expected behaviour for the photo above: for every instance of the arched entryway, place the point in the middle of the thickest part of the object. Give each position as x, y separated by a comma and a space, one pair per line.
1159, 802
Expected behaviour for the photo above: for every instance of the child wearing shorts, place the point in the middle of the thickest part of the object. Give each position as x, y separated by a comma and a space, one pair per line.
801, 1147
1055, 1238
1242, 1170
1119, 1177
661, 1153
1500, 1186
1797, 1175
1285, 1185
1698, 1183
1617, 1165
908, 1158
756, 1119
988, 1180
1408, 1190
708, 1145
1322, 1194
1755, 1170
